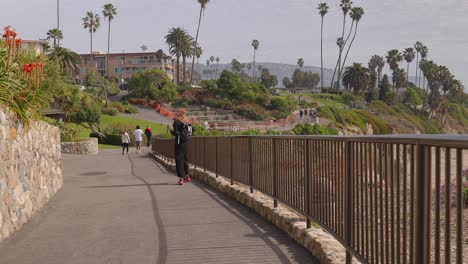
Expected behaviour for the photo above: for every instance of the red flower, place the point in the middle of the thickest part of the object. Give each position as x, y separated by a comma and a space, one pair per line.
18, 42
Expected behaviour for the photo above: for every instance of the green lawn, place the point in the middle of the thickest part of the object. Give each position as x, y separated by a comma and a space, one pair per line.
332, 100
107, 121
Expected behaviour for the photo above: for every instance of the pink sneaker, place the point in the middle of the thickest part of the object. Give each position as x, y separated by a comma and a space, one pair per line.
181, 182
187, 179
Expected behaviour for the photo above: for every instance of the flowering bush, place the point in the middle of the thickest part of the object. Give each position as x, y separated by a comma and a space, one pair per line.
19, 80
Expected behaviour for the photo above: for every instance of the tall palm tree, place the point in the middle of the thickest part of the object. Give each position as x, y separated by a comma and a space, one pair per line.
376, 64
67, 59
418, 46
175, 39
356, 77
58, 14
346, 6
408, 55
424, 53
91, 22
323, 10
255, 45
393, 58
203, 4
217, 65
356, 15
109, 12
300, 63
144, 48
398, 78
56, 35
187, 51
198, 51
212, 59
340, 44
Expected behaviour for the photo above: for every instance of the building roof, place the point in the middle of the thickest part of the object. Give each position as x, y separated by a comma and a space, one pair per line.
159, 54
43, 42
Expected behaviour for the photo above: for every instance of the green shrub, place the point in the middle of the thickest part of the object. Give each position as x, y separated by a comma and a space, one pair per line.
111, 111
116, 105
283, 106
182, 102
252, 111
130, 109
309, 129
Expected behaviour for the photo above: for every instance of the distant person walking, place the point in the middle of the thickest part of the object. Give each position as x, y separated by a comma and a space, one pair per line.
148, 134
138, 133
182, 132
301, 113
125, 141
305, 112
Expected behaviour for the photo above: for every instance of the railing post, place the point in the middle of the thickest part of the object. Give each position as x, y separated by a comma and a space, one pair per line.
216, 156
275, 172
421, 246
349, 200
204, 154
307, 182
250, 165
232, 162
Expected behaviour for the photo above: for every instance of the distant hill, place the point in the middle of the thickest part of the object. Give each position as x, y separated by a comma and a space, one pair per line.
278, 69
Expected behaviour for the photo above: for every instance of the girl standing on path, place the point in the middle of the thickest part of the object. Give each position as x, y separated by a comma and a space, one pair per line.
182, 132
138, 133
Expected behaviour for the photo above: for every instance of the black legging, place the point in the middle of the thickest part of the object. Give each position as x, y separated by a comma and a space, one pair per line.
182, 166
125, 146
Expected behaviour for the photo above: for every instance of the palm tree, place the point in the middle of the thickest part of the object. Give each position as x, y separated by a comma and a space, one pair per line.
212, 59
175, 39
58, 14
424, 53
67, 59
55, 34
356, 77
346, 6
203, 4
208, 68
300, 63
187, 51
356, 15
398, 78
376, 64
91, 22
198, 51
393, 58
217, 65
408, 55
418, 46
339, 43
323, 10
109, 12
255, 45
144, 48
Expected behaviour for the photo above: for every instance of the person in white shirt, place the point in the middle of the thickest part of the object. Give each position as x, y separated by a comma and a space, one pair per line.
138, 133
125, 141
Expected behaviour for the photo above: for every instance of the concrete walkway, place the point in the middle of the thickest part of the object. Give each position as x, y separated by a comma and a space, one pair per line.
128, 209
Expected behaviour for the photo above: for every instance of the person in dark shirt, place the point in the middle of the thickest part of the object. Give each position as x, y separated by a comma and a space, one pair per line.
182, 165
148, 134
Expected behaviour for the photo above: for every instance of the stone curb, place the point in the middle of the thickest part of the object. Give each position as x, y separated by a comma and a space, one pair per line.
86, 147
321, 244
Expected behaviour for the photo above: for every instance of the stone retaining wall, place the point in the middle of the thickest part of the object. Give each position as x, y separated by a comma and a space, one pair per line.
86, 147
30, 170
321, 244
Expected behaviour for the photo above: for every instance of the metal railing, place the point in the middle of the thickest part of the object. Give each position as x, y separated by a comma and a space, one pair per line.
386, 199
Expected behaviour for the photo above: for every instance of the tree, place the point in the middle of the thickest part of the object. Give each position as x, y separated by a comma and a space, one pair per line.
267, 79
300, 63
399, 78
346, 6
102, 87
187, 51
176, 39
384, 88
109, 12
237, 67
212, 59
56, 35
376, 64
154, 84
92, 22
413, 97
356, 15
356, 77
323, 10
393, 58
424, 53
287, 83
340, 44
144, 48
88, 114
408, 55
372, 93
417, 47
305, 79
67, 59
198, 51
255, 45
203, 4
217, 64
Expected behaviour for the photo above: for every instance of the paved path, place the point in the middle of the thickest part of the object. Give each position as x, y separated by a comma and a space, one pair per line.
148, 114
127, 209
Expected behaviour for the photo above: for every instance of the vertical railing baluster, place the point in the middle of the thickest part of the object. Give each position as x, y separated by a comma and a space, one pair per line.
307, 182
250, 164
421, 246
232, 161
459, 193
349, 200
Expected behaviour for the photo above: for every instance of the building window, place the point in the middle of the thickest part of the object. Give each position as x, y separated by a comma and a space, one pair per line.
119, 70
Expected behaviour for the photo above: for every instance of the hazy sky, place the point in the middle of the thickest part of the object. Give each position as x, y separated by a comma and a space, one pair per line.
286, 30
